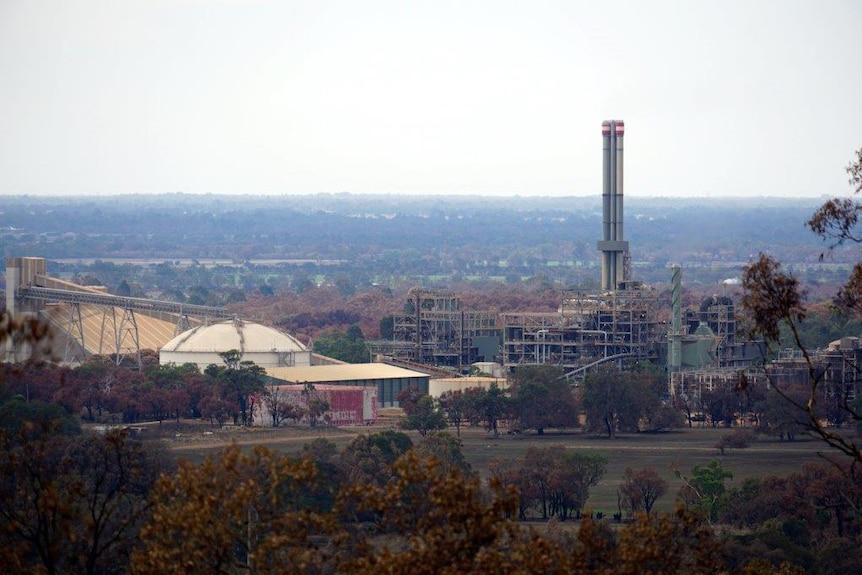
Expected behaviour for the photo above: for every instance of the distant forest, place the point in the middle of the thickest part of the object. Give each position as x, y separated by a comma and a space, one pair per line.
384, 239
311, 263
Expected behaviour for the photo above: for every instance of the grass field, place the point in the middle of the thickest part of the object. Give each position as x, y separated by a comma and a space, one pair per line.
665, 452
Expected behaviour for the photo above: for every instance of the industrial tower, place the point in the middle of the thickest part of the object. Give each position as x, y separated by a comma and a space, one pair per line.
614, 248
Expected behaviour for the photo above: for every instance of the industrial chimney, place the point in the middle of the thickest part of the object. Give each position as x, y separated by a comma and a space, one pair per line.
613, 246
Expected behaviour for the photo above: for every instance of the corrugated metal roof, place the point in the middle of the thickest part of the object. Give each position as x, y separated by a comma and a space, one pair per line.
152, 332
345, 372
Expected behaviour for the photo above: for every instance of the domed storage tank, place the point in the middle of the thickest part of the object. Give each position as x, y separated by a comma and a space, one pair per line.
265, 346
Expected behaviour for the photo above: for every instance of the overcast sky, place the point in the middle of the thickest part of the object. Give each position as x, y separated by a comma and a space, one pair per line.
720, 98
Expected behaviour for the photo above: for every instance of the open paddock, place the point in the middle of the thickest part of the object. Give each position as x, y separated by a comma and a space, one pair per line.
665, 452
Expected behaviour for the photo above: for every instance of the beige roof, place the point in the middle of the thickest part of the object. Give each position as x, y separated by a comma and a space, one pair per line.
246, 337
465, 382
344, 372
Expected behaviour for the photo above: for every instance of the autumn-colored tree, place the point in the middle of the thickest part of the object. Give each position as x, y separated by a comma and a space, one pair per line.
775, 302
408, 399
446, 450
739, 438
242, 513
87, 387
37, 380
216, 409
641, 488
27, 338
553, 480
72, 504
508, 472
236, 512
667, 543
438, 522
369, 458
279, 408
124, 396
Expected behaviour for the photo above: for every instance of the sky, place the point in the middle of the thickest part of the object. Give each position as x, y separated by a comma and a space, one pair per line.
499, 98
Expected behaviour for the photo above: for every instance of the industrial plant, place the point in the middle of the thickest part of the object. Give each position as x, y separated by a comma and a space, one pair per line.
618, 323
435, 335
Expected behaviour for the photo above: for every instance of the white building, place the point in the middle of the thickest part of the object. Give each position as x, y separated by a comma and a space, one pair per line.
265, 346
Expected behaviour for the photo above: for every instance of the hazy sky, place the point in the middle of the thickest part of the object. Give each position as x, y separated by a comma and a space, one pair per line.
720, 98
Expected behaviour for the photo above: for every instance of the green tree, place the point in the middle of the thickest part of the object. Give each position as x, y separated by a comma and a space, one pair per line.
23, 420
541, 398
317, 405
426, 417
321, 494
616, 400
782, 412
721, 405
317, 408
123, 289
387, 327
705, 490
346, 346
454, 406
240, 382
198, 295
491, 405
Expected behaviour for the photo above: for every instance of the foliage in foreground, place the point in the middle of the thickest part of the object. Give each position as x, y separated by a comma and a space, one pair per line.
775, 301
234, 513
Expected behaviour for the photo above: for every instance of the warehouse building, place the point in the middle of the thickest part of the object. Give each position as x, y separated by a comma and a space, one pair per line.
389, 380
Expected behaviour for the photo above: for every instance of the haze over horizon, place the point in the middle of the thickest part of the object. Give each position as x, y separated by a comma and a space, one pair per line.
734, 99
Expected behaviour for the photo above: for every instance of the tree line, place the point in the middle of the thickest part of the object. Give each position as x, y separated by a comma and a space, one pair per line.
83, 503
75, 502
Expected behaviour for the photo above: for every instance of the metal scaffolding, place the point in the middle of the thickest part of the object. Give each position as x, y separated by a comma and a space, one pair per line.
118, 333
435, 330
587, 330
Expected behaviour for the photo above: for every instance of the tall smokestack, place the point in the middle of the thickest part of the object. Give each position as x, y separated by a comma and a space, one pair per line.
613, 246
